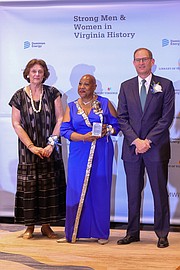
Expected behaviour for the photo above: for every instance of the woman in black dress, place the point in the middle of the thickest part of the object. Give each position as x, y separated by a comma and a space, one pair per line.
36, 117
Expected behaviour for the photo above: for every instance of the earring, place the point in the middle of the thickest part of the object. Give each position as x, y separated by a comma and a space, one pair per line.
28, 76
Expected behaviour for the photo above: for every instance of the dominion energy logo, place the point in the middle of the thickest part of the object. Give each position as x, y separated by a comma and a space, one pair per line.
28, 44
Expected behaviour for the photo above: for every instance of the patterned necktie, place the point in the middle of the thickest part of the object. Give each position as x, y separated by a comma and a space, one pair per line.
143, 94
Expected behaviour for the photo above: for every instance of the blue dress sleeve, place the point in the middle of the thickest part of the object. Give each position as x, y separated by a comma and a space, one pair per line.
114, 123
109, 119
66, 130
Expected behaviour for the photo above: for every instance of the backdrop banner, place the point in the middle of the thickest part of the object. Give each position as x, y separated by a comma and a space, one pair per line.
97, 39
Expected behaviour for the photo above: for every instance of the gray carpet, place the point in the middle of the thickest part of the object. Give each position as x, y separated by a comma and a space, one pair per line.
25, 260
37, 265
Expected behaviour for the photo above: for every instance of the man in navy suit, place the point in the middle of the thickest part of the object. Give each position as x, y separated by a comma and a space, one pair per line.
146, 144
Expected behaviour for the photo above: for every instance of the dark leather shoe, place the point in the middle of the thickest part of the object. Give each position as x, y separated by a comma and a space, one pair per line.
127, 240
162, 242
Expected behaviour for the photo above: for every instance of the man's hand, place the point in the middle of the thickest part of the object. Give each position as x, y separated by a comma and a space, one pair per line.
142, 146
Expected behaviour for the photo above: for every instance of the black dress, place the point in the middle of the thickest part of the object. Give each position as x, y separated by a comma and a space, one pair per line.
41, 186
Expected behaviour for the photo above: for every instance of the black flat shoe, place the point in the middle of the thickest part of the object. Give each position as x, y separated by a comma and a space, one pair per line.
127, 240
162, 242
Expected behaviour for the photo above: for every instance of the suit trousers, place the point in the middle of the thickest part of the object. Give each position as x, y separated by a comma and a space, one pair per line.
158, 174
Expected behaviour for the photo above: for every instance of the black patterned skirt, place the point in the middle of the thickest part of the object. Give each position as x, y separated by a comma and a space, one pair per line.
41, 193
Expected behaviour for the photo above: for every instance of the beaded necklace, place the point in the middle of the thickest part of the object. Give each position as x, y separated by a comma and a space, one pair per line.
32, 102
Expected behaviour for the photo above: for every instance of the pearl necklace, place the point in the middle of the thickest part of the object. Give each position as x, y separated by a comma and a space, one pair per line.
32, 102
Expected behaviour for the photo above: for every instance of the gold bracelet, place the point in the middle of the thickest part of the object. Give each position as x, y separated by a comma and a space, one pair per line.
31, 144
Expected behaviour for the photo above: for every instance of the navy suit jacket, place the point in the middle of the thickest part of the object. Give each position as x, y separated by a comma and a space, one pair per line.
152, 124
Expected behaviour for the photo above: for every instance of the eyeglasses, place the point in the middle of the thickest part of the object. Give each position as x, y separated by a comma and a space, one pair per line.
144, 60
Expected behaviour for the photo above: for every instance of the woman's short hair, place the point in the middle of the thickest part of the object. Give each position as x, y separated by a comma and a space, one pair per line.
33, 62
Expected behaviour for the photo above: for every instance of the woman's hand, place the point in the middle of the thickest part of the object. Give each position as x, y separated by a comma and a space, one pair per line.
104, 130
47, 151
88, 137
36, 150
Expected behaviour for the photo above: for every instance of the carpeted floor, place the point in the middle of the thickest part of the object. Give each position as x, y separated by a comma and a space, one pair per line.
27, 261
11, 261
43, 253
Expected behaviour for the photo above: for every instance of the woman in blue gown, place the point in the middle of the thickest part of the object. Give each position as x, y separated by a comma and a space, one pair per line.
89, 164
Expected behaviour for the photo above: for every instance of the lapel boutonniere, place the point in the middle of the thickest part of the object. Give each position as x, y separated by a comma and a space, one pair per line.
156, 88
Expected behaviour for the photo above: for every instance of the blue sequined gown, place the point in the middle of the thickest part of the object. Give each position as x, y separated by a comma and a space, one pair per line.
95, 217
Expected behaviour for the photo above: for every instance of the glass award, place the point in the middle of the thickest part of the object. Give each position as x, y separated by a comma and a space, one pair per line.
97, 129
